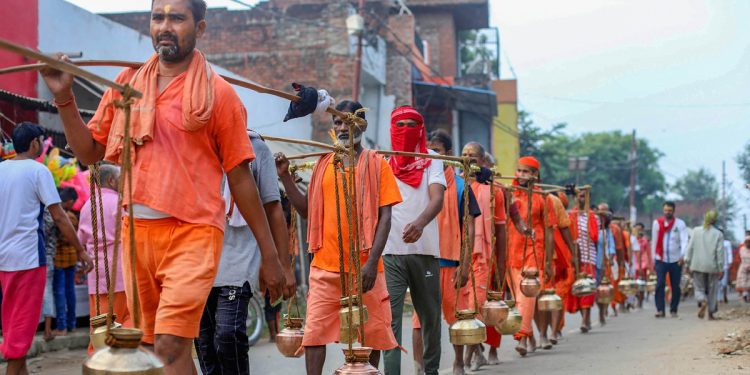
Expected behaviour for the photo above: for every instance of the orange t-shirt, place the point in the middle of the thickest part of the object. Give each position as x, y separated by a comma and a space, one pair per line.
179, 172
516, 239
327, 257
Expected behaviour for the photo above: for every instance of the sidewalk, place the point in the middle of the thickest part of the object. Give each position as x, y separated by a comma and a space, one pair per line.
76, 340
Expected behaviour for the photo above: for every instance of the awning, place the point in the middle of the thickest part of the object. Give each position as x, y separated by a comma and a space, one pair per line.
479, 101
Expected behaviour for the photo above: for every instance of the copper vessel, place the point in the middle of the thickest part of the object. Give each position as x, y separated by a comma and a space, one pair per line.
344, 316
530, 285
605, 292
467, 330
347, 335
494, 311
358, 364
289, 340
628, 286
512, 323
641, 284
651, 283
584, 285
123, 356
549, 301
99, 330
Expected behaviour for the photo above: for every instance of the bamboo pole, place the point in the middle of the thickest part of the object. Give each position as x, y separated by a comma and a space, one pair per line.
310, 155
64, 66
299, 142
135, 65
420, 155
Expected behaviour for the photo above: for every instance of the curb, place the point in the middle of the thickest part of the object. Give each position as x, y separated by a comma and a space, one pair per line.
76, 340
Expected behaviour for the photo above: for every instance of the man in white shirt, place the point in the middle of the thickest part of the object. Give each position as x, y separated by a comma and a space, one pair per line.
669, 243
412, 249
724, 283
26, 188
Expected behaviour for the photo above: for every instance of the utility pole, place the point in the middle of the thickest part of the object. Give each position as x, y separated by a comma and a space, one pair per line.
724, 193
632, 157
358, 58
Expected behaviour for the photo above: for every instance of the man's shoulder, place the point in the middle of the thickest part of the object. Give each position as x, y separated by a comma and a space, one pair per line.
680, 223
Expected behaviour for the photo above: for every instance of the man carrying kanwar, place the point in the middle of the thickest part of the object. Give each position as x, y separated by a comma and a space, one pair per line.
376, 192
188, 129
585, 231
450, 228
412, 253
526, 252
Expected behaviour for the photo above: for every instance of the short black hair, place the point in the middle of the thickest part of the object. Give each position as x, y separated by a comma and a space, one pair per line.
198, 7
641, 224
441, 136
351, 107
68, 194
670, 204
24, 133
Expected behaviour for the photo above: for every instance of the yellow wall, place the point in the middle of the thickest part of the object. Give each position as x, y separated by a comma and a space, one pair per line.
505, 138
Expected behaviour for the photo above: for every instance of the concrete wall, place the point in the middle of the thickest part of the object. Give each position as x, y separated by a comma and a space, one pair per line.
65, 27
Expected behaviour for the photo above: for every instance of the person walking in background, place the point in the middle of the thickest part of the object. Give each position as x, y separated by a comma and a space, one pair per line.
643, 263
724, 282
109, 175
705, 258
743, 272
63, 283
26, 188
668, 248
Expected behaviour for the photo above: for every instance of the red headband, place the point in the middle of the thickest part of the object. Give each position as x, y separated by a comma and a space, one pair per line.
529, 161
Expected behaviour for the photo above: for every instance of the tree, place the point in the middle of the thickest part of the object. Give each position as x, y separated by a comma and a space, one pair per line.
697, 185
743, 161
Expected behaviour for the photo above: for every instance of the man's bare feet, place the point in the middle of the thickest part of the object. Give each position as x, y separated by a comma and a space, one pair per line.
531, 345
546, 344
492, 357
521, 347
58, 332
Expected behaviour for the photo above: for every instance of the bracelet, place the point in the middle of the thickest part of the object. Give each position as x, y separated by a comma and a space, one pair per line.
65, 103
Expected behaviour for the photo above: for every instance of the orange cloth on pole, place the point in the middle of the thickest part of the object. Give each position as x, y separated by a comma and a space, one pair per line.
120, 309
449, 227
176, 263
564, 269
517, 239
448, 297
179, 164
525, 305
380, 190
620, 252
573, 303
322, 324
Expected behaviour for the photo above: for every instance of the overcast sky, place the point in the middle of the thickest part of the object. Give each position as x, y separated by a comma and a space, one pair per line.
676, 71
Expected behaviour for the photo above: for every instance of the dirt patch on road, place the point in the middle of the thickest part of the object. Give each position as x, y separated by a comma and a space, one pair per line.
734, 345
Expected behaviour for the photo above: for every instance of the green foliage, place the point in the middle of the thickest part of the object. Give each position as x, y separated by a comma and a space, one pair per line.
743, 161
473, 48
697, 185
608, 168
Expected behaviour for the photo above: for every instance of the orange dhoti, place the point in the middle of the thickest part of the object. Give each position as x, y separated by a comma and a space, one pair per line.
176, 263
448, 299
120, 309
322, 324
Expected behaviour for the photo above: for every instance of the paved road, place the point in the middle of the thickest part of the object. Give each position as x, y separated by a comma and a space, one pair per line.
633, 343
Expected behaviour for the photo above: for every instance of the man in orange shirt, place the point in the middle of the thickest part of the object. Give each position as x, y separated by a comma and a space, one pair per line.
527, 252
585, 230
376, 192
188, 130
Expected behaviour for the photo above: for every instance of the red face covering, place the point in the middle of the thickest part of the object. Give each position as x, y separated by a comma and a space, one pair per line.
403, 138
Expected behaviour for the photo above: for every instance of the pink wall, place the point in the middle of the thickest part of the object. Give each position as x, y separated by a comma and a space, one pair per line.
19, 26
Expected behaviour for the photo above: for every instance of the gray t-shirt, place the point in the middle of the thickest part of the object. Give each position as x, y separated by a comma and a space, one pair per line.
240, 255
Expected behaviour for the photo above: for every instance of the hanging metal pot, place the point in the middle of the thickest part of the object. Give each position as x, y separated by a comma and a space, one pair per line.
98, 333
549, 301
512, 323
530, 285
467, 330
495, 310
353, 319
605, 292
641, 285
584, 285
123, 356
628, 286
651, 283
358, 364
289, 340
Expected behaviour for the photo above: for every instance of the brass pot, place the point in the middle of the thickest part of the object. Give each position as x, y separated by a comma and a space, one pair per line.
605, 292
359, 364
530, 285
584, 285
628, 286
495, 310
641, 284
512, 323
123, 356
344, 317
98, 333
467, 330
549, 301
289, 340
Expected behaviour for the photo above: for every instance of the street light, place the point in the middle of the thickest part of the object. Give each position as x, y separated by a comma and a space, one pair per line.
577, 164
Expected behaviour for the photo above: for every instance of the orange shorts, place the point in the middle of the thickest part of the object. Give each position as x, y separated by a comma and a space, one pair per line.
322, 325
176, 263
121, 310
448, 299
